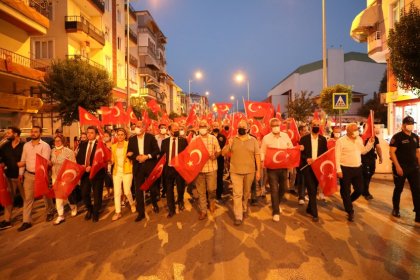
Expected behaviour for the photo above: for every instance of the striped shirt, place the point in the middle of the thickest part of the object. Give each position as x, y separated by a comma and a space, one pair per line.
212, 145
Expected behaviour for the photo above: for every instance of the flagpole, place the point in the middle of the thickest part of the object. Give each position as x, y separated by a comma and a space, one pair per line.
243, 100
333, 148
373, 123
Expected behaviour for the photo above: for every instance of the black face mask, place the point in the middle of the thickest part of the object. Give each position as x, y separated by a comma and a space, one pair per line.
176, 133
315, 129
11, 138
227, 128
241, 131
216, 130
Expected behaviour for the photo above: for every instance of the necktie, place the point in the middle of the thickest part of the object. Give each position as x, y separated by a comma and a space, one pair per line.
89, 153
173, 148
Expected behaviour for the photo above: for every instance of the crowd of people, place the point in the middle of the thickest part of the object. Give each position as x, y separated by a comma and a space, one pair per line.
238, 159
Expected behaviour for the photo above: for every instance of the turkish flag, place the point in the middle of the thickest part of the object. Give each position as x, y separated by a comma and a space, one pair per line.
369, 130
155, 174
222, 108
67, 178
255, 109
325, 171
293, 132
118, 115
145, 119
282, 158
154, 106
41, 178
191, 160
5, 198
192, 117
106, 115
131, 116
86, 118
100, 159
165, 119
317, 118
278, 112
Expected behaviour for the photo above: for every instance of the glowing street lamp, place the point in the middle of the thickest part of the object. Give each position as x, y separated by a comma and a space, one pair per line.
239, 78
198, 75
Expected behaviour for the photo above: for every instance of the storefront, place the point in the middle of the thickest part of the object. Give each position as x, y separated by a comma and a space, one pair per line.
400, 105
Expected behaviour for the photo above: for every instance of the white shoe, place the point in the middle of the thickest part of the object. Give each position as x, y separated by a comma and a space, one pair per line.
133, 209
116, 216
279, 209
301, 201
73, 211
321, 196
59, 220
306, 198
276, 218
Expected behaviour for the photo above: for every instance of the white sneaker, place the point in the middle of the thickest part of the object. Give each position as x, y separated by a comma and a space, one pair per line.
133, 209
301, 201
276, 218
279, 209
73, 211
306, 198
59, 220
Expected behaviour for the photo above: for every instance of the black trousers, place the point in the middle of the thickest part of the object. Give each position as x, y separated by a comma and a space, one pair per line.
140, 176
351, 176
312, 185
300, 183
171, 178
368, 171
277, 179
96, 186
220, 169
413, 180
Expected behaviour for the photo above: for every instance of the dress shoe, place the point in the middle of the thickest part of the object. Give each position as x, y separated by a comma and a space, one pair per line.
417, 219
156, 209
50, 217
308, 211
140, 217
350, 217
24, 226
170, 215
237, 222
59, 220
181, 206
368, 196
95, 218
5, 225
88, 215
396, 213
254, 202
202, 216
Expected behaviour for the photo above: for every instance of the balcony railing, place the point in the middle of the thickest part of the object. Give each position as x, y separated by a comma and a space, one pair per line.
79, 23
148, 71
100, 4
145, 30
132, 35
132, 11
41, 6
133, 61
22, 60
143, 50
83, 58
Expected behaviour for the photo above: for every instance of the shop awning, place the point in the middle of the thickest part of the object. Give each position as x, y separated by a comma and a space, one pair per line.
364, 21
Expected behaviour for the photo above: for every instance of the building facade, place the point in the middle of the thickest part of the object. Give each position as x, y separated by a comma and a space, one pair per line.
353, 69
372, 26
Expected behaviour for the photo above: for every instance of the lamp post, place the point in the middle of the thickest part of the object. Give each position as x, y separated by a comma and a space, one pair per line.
198, 75
324, 48
240, 78
232, 97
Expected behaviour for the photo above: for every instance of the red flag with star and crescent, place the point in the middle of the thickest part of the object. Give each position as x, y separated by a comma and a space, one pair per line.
154, 106
369, 130
255, 109
293, 132
222, 108
67, 178
106, 115
282, 158
86, 118
155, 174
325, 171
191, 160
41, 178
131, 115
5, 198
100, 159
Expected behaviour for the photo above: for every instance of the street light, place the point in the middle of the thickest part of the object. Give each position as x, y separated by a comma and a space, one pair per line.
198, 76
232, 97
240, 78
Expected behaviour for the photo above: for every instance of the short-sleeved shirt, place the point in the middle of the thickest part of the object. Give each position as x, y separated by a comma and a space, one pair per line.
243, 159
10, 157
407, 146
370, 157
213, 147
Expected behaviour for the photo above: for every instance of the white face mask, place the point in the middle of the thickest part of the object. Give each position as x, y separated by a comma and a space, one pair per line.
202, 131
137, 130
409, 127
355, 133
59, 147
106, 139
181, 133
337, 134
275, 129
163, 131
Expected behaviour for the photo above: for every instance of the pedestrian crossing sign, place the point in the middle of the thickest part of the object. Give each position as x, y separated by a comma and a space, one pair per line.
340, 101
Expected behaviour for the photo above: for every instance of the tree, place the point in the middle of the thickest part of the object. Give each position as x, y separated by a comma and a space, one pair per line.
72, 83
326, 95
139, 105
374, 104
403, 42
383, 84
302, 106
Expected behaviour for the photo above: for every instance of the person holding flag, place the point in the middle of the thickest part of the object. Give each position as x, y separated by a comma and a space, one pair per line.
58, 154
369, 164
245, 165
277, 178
85, 157
172, 146
27, 168
314, 145
348, 156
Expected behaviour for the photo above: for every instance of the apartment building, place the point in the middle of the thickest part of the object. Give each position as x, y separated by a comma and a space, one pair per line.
19, 74
372, 26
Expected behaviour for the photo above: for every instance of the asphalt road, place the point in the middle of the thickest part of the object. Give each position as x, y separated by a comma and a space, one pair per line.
375, 246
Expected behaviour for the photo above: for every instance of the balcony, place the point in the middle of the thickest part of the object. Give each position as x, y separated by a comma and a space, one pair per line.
15, 58
74, 24
133, 61
151, 77
99, 4
132, 35
83, 58
376, 49
148, 57
41, 6
132, 11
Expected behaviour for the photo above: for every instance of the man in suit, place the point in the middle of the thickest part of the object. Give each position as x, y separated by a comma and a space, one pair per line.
143, 150
85, 157
172, 146
314, 146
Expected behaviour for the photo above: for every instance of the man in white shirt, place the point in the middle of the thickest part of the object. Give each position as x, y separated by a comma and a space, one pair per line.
27, 174
348, 152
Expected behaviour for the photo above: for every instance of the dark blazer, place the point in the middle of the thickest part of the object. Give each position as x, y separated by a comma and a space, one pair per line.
307, 152
182, 144
150, 148
82, 150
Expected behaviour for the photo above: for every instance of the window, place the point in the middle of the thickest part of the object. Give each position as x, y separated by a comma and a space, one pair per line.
356, 99
118, 16
395, 11
107, 5
43, 49
107, 33
108, 64
119, 43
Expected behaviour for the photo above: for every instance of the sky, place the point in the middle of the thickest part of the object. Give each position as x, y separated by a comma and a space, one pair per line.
264, 39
